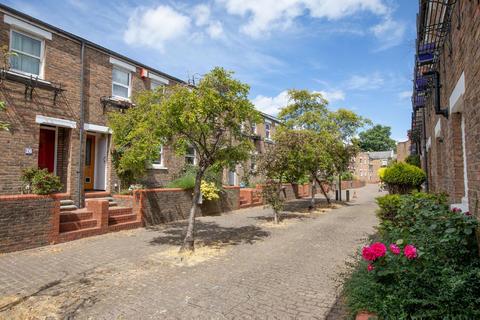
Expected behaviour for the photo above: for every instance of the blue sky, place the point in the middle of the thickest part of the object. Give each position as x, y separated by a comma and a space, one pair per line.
358, 53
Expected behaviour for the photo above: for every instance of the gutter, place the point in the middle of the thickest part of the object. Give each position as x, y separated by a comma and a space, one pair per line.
80, 192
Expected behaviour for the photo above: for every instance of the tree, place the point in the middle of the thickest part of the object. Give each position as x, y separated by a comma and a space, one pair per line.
327, 137
210, 118
377, 138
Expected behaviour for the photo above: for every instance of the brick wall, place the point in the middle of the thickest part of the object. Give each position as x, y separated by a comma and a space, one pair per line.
28, 221
403, 150
353, 184
165, 205
445, 156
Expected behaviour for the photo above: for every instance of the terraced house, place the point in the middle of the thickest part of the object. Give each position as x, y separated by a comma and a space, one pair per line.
446, 99
58, 90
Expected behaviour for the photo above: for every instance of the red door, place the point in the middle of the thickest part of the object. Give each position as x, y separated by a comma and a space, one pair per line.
46, 150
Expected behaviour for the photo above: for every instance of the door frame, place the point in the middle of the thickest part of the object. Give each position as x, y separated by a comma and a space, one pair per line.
55, 147
103, 138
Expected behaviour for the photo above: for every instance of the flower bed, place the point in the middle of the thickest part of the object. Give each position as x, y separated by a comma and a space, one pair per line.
425, 263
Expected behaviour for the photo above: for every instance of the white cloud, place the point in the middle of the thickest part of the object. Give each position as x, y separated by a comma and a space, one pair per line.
215, 30
268, 15
271, 105
389, 33
201, 14
404, 95
365, 82
333, 95
156, 26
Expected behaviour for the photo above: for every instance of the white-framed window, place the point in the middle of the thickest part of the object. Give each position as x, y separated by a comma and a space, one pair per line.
254, 128
190, 156
29, 51
156, 84
121, 83
268, 128
159, 163
253, 162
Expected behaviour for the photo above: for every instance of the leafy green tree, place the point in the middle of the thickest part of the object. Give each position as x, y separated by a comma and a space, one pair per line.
377, 138
326, 138
210, 119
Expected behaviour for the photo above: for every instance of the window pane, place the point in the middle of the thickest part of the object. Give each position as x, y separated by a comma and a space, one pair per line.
154, 85
159, 160
26, 44
120, 76
25, 64
120, 91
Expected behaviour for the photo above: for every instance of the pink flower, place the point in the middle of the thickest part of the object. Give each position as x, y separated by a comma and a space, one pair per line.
456, 210
394, 248
368, 254
468, 214
410, 251
370, 267
379, 249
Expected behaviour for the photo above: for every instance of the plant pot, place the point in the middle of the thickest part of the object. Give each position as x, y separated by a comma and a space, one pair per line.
365, 315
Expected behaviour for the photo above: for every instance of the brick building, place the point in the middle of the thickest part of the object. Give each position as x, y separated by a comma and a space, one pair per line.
446, 117
366, 164
403, 150
58, 91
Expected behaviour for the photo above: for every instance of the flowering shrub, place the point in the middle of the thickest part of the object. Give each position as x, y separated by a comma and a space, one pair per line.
431, 269
209, 190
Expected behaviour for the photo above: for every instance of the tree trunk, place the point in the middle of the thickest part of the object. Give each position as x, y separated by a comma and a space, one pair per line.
275, 217
323, 191
312, 199
340, 187
188, 242
295, 190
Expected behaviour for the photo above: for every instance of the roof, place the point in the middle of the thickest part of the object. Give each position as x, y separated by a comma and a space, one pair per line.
266, 115
35, 21
380, 154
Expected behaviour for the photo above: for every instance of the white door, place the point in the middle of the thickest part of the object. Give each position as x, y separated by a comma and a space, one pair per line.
101, 162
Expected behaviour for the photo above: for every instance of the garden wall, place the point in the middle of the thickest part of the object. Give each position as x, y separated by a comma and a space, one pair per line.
28, 221
165, 205
353, 184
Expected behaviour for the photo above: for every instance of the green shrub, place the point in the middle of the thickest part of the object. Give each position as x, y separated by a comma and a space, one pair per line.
40, 181
187, 181
403, 178
442, 282
414, 160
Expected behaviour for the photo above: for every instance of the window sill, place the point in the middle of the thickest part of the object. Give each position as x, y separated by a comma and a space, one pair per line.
117, 98
158, 167
27, 76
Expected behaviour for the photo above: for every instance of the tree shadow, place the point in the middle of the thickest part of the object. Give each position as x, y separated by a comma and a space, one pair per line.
208, 233
283, 216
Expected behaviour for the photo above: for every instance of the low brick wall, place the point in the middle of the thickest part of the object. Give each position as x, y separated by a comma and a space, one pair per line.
353, 184
253, 196
165, 205
28, 221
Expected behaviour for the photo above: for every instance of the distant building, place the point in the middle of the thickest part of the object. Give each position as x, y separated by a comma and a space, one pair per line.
366, 164
403, 150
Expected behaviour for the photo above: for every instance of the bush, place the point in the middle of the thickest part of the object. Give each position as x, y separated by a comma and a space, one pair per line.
40, 181
403, 178
414, 160
439, 280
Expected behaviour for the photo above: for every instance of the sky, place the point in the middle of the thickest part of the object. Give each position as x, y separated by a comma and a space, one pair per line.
357, 53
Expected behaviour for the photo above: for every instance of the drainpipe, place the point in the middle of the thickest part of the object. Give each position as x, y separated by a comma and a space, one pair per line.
437, 85
80, 192
425, 150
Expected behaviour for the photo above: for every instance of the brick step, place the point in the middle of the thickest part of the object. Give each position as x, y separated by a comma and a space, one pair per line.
125, 226
119, 219
97, 194
77, 215
68, 207
79, 234
77, 225
119, 211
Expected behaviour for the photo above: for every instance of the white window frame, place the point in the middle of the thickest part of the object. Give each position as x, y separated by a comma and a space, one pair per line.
121, 84
160, 165
189, 155
254, 128
158, 84
268, 135
42, 52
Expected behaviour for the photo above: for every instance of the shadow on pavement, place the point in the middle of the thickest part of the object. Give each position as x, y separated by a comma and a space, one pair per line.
208, 233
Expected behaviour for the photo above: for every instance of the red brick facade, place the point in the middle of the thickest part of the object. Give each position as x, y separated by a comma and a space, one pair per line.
450, 147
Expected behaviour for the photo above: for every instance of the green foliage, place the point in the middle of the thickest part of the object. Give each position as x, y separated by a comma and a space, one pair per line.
271, 193
441, 282
40, 181
347, 176
403, 178
377, 138
209, 191
414, 160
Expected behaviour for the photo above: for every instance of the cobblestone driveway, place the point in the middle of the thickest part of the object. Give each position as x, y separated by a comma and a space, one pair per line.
259, 272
